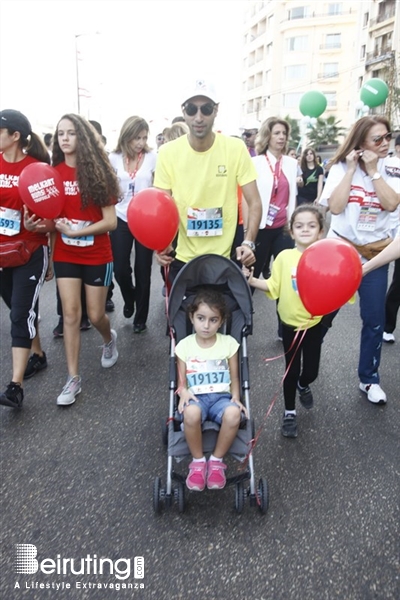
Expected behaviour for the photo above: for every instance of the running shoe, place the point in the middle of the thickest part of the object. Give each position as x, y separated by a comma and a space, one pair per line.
110, 352
196, 479
13, 396
216, 478
35, 364
70, 390
375, 393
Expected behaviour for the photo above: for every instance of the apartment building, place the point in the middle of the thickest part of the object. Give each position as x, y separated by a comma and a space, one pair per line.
291, 47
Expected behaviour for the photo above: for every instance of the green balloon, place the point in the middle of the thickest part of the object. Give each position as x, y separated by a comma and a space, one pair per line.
374, 92
313, 104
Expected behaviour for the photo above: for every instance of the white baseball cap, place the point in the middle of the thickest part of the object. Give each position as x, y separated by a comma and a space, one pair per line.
201, 87
251, 125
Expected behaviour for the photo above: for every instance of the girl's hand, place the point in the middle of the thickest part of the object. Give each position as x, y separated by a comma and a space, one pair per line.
50, 272
241, 406
63, 226
185, 397
248, 273
32, 222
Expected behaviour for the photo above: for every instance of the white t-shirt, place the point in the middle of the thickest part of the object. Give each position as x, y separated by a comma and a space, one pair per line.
363, 220
129, 186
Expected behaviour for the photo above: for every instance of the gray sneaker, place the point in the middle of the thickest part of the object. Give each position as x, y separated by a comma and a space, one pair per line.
70, 390
289, 426
110, 352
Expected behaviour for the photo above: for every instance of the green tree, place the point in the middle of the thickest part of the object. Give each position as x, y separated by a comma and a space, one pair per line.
325, 132
295, 136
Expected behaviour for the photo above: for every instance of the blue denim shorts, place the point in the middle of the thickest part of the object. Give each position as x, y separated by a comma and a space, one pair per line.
212, 406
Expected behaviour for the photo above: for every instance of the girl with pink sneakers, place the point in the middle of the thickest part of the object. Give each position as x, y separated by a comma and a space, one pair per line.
208, 370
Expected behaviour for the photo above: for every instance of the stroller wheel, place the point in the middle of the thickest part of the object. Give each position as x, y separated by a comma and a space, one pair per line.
164, 431
239, 497
180, 497
157, 495
263, 495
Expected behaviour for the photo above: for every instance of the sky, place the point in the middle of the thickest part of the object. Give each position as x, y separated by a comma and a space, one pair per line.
133, 57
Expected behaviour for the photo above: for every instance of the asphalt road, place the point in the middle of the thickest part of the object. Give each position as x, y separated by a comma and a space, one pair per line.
77, 481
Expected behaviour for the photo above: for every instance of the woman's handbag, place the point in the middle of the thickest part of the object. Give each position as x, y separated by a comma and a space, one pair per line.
370, 250
16, 253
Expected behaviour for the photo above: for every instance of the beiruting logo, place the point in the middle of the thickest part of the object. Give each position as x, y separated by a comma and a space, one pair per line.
26, 563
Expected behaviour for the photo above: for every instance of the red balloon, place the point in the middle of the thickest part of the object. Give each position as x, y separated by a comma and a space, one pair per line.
328, 275
153, 218
42, 190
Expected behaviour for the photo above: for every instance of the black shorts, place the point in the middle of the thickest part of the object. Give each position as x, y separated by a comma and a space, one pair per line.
95, 275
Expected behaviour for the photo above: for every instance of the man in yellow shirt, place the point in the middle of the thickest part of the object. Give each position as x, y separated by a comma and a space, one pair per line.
202, 172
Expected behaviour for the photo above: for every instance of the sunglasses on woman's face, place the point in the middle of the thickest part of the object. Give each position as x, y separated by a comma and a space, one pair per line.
192, 109
378, 140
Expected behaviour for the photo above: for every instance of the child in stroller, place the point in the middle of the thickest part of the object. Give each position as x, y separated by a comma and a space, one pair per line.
209, 388
224, 276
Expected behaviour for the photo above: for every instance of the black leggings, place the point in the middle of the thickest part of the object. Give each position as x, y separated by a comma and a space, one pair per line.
310, 351
122, 242
19, 288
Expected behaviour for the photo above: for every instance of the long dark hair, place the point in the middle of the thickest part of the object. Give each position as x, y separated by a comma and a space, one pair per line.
98, 183
32, 145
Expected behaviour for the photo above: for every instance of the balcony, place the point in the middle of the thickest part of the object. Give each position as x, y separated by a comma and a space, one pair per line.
331, 46
332, 75
379, 55
390, 14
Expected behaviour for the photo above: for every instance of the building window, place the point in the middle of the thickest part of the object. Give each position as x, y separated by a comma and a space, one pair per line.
335, 8
291, 100
365, 19
295, 71
330, 69
298, 44
331, 99
300, 12
333, 40
363, 48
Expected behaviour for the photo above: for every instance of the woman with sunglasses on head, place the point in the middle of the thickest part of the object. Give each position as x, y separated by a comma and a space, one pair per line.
277, 177
134, 163
361, 192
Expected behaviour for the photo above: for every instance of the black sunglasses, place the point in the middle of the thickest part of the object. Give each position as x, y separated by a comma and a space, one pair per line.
248, 134
192, 109
378, 140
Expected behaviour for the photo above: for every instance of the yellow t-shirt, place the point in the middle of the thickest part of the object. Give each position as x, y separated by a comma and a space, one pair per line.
204, 187
283, 285
207, 369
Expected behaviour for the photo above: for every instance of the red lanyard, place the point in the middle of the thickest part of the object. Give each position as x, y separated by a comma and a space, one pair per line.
275, 172
132, 174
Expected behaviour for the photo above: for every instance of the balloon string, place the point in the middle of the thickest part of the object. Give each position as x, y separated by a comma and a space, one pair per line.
254, 441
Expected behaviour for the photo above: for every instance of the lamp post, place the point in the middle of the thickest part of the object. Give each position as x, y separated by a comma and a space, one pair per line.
78, 82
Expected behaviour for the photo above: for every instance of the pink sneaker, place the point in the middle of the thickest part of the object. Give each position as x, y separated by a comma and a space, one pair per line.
196, 480
216, 478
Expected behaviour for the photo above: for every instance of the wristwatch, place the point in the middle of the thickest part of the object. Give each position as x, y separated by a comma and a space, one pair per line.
376, 176
250, 244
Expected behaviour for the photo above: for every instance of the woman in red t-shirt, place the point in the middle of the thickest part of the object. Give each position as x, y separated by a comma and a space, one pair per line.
20, 285
82, 249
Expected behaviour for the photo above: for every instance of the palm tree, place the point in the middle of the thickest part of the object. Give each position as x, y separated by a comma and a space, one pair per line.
295, 136
325, 132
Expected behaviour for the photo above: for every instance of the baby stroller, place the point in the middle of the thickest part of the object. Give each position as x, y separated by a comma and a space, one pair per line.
224, 275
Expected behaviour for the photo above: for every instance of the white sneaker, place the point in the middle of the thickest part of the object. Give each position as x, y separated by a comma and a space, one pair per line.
70, 390
110, 352
374, 392
388, 338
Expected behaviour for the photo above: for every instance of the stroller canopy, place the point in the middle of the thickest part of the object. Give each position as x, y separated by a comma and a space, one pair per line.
217, 271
